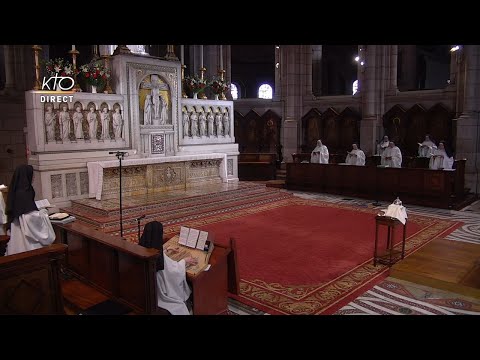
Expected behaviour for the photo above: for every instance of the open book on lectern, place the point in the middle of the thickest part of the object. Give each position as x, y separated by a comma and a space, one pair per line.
191, 242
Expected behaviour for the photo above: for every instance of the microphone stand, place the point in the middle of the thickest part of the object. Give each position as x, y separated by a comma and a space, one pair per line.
120, 155
138, 223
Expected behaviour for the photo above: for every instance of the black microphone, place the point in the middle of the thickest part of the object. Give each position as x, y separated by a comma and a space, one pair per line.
124, 153
141, 217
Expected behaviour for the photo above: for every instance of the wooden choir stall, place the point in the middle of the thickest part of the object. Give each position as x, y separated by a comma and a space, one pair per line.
126, 272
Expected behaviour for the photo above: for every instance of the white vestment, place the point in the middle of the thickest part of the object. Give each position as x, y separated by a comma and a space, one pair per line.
440, 160
3, 216
396, 157
319, 155
382, 146
172, 287
426, 149
29, 232
356, 157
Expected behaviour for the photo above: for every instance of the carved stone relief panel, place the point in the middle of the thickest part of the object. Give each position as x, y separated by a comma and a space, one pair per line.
83, 183
158, 143
168, 174
230, 167
56, 185
71, 179
133, 180
203, 169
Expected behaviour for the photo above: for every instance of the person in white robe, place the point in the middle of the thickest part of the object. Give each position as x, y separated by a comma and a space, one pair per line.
392, 156
382, 145
440, 159
172, 287
426, 148
319, 154
3, 215
356, 156
30, 228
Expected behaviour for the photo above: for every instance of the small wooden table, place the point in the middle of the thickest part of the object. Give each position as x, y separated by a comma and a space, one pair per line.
389, 256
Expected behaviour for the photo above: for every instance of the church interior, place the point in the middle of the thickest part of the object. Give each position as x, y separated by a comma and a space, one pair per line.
240, 179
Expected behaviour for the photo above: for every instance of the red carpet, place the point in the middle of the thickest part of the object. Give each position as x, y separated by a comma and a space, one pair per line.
302, 256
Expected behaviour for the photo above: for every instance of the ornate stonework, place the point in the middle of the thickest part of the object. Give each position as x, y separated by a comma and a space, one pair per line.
71, 179
158, 143
83, 183
230, 167
56, 186
202, 170
133, 180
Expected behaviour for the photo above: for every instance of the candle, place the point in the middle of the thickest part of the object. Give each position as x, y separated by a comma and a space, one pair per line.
182, 55
201, 56
73, 47
221, 57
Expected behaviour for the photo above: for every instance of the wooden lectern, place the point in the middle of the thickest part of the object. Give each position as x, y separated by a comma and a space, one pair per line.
389, 256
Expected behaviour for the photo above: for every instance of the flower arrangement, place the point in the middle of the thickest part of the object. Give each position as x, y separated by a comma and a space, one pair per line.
196, 84
95, 73
219, 86
59, 66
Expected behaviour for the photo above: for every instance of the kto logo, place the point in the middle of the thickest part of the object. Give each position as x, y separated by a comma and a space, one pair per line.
55, 85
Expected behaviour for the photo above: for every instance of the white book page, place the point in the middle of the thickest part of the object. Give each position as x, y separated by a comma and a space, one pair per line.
182, 240
192, 238
42, 204
202, 239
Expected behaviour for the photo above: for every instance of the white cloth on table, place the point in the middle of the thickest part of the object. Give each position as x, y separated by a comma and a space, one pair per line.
396, 157
172, 287
29, 232
440, 160
398, 212
356, 157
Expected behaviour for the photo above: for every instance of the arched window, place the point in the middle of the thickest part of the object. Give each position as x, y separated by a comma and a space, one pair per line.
265, 91
234, 91
355, 87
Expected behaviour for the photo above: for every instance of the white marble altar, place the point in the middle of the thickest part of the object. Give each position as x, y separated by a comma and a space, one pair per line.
67, 156
96, 172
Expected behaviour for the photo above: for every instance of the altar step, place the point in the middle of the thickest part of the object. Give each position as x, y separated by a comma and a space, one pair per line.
180, 209
170, 211
163, 200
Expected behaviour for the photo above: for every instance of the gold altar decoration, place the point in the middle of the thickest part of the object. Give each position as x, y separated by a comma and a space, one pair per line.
74, 54
36, 50
106, 59
202, 74
222, 72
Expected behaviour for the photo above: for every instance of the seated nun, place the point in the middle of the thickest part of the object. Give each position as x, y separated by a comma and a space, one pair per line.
30, 228
172, 287
441, 159
356, 156
426, 148
319, 154
392, 156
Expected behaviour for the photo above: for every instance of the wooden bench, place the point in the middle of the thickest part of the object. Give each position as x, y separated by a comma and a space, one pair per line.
257, 166
126, 272
30, 282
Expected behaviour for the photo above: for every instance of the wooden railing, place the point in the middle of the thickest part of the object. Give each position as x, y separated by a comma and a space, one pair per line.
30, 283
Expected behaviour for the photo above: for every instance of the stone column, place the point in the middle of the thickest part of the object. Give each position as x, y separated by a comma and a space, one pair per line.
368, 125
8, 51
211, 60
393, 88
410, 66
228, 62
468, 124
317, 70
277, 91
292, 63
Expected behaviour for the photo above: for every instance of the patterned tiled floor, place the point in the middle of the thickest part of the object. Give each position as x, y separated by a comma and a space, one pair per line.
398, 297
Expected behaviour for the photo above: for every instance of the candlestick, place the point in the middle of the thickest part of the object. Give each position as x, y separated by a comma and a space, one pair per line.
36, 85
171, 53
182, 55
74, 54
222, 78
106, 58
221, 57
202, 72
201, 57
184, 94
